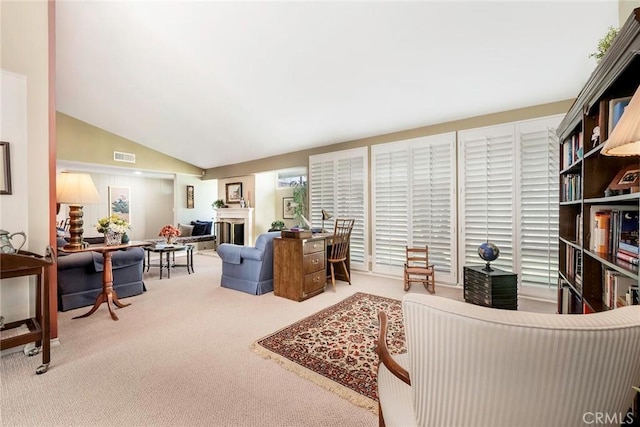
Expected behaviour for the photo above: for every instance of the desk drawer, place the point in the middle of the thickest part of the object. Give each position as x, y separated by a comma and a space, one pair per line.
314, 283
312, 246
314, 262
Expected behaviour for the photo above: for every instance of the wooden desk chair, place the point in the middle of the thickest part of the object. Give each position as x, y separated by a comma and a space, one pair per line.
340, 248
418, 269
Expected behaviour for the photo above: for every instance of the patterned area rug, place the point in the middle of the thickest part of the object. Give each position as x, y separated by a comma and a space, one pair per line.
335, 347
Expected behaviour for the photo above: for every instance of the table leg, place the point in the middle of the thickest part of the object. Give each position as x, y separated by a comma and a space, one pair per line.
169, 265
107, 295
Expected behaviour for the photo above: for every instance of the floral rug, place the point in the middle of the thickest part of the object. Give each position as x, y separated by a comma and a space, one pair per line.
335, 347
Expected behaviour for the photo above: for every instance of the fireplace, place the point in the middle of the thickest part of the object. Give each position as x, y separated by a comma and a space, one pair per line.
240, 225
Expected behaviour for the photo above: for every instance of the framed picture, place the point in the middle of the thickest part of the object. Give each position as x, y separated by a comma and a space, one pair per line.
5, 168
190, 202
234, 192
616, 109
287, 208
627, 178
120, 202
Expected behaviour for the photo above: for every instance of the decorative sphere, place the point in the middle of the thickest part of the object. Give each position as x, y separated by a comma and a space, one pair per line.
488, 251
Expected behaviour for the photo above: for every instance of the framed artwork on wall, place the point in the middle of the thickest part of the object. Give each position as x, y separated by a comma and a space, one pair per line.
120, 202
190, 201
287, 207
234, 192
5, 168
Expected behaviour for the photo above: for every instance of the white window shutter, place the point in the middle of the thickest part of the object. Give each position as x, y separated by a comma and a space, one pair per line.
414, 203
339, 184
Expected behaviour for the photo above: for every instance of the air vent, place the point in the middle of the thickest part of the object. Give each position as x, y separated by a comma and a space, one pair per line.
119, 156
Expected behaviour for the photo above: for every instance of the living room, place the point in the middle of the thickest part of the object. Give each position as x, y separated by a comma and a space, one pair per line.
34, 193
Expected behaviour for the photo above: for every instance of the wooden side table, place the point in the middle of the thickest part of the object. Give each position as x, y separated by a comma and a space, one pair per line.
20, 264
108, 294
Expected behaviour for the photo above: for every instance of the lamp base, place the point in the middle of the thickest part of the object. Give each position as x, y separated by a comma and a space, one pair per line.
75, 228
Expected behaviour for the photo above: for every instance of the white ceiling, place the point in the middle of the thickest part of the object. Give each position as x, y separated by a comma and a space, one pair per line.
214, 83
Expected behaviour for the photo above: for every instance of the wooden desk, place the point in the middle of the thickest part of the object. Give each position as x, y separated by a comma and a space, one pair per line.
108, 294
300, 266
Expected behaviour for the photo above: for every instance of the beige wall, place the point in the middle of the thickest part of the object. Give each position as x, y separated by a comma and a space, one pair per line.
301, 158
625, 7
81, 142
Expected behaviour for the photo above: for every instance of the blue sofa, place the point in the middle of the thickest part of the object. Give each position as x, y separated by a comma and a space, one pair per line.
249, 269
80, 276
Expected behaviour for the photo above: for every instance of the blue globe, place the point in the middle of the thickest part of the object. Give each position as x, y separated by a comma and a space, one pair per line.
488, 251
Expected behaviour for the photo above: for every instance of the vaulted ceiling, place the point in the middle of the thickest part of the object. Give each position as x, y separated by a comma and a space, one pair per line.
220, 82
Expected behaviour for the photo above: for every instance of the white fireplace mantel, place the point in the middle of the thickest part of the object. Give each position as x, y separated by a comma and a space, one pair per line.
238, 215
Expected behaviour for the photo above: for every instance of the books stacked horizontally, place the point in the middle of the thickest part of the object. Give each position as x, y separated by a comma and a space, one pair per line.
615, 232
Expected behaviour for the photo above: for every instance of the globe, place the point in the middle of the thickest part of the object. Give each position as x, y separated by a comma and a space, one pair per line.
488, 252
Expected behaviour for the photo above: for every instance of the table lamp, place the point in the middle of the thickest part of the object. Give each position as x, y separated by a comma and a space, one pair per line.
76, 189
624, 140
325, 216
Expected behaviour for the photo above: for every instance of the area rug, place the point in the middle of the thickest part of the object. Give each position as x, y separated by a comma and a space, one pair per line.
335, 347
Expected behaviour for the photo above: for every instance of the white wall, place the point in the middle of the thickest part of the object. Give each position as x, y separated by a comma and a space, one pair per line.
265, 207
205, 193
14, 208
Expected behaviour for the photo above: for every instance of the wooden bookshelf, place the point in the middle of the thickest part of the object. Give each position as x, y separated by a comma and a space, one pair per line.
585, 178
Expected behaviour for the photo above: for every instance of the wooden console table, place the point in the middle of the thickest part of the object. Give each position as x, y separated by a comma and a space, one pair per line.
108, 294
21, 264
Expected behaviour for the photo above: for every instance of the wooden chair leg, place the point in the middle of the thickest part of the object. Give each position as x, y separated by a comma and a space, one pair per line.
333, 277
380, 417
407, 283
346, 273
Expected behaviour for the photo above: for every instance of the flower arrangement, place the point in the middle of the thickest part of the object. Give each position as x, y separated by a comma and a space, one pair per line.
113, 223
169, 231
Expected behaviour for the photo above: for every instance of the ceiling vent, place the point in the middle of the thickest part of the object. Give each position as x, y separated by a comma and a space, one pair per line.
119, 156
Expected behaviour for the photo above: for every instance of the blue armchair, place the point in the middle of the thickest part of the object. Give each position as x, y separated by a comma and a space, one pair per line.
248, 269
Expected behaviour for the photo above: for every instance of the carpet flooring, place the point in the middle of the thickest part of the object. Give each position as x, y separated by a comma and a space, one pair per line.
336, 347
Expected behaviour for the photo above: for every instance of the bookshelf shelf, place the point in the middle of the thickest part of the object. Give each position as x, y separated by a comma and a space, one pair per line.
598, 225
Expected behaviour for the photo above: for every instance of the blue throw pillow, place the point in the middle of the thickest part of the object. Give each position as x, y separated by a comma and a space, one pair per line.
198, 228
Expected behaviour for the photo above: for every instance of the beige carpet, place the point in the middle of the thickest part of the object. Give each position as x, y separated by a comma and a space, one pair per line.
180, 356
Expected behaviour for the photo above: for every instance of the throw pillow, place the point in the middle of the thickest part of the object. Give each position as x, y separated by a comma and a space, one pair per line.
198, 229
185, 230
207, 226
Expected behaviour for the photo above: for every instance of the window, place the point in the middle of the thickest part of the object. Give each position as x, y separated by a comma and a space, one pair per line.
291, 177
414, 202
339, 184
508, 178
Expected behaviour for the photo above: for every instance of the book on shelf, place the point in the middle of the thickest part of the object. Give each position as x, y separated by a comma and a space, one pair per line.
572, 149
614, 228
631, 259
615, 288
571, 187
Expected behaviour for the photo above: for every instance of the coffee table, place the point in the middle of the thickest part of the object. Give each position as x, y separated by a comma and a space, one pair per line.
169, 261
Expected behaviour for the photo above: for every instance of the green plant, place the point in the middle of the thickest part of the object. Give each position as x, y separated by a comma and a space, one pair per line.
605, 43
277, 225
300, 201
218, 204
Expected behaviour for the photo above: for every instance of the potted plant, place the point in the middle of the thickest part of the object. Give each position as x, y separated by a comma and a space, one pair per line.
300, 203
277, 226
218, 204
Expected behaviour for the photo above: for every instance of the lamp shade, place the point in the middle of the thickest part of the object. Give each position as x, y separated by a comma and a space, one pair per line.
624, 140
326, 215
75, 188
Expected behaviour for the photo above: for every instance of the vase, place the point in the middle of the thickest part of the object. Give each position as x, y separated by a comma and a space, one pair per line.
170, 239
111, 238
125, 238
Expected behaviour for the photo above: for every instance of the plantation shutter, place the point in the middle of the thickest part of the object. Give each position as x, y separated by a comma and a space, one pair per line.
486, 194
339, 184
538, 198
414, 202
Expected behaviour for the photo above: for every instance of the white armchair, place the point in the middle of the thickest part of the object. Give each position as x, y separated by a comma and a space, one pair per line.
469, 365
